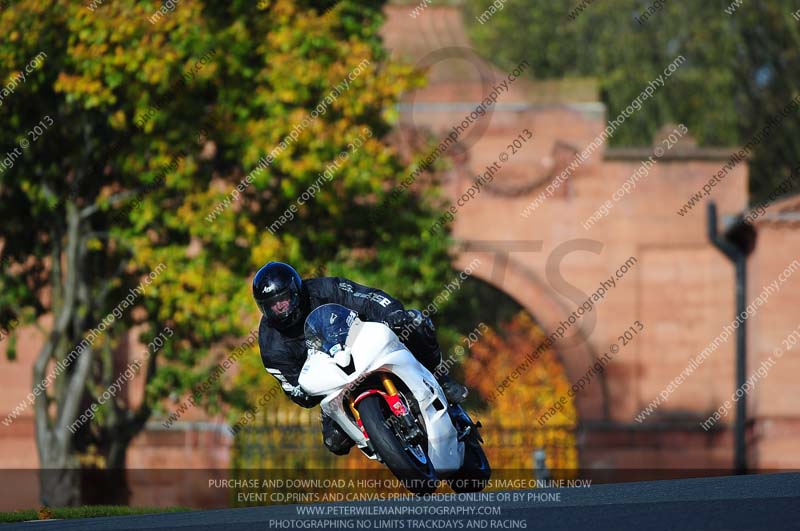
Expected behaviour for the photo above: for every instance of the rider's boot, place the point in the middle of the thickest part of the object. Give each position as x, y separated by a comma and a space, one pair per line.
335, 439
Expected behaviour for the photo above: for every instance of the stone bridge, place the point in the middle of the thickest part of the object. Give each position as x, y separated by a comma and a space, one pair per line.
550, 232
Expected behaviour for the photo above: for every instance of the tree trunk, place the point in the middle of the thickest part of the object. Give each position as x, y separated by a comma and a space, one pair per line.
63, 479
60, 487
59, 478
63, 486
60, 474
108, 485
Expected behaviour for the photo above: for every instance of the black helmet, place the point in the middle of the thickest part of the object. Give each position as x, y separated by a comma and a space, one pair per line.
276, 289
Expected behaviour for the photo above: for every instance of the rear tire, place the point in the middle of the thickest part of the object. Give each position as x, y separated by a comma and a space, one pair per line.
417, 477
475, 472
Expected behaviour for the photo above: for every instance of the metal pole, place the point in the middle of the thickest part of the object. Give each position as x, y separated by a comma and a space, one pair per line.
739, 258
740, 453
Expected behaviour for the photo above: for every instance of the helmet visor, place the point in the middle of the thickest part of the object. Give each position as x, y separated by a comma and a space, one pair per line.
279, 306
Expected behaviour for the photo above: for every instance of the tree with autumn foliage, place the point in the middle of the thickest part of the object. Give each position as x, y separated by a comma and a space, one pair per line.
131, 132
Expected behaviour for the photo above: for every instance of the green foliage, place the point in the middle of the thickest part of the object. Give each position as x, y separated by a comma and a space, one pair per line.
154, 124
741, 68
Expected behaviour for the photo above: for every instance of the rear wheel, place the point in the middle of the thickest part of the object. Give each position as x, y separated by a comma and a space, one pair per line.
409, 462
474, 474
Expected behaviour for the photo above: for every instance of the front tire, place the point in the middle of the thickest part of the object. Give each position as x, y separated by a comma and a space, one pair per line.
417, 476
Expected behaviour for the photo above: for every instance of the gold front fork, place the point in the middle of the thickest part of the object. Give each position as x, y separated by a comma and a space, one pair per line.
354, 410
388, 385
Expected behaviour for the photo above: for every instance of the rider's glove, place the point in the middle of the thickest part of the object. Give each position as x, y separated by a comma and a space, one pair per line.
405, 322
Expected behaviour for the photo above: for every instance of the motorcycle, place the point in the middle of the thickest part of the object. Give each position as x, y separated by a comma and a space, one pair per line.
390, 404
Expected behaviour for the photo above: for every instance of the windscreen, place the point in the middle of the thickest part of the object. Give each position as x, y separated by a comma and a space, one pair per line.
327, 327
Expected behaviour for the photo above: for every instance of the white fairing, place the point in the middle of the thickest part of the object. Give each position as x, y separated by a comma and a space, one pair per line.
374, 347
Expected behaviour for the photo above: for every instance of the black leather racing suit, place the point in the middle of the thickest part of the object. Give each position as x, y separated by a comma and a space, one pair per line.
283, 352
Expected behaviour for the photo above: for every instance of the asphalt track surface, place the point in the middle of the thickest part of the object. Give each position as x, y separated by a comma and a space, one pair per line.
758, 502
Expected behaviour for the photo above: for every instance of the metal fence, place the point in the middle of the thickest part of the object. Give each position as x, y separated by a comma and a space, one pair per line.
297, 445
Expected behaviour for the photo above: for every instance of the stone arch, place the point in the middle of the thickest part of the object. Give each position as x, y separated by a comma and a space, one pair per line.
499, 269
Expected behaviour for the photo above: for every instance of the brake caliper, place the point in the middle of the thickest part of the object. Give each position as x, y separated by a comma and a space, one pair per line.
404, 420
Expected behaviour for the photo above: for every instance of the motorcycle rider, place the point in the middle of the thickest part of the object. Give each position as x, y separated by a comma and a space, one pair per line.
285, 300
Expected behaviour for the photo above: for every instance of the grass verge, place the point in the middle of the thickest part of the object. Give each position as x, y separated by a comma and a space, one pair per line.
88, 511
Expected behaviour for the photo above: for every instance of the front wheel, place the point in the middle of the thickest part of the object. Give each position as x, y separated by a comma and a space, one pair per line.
409, 462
